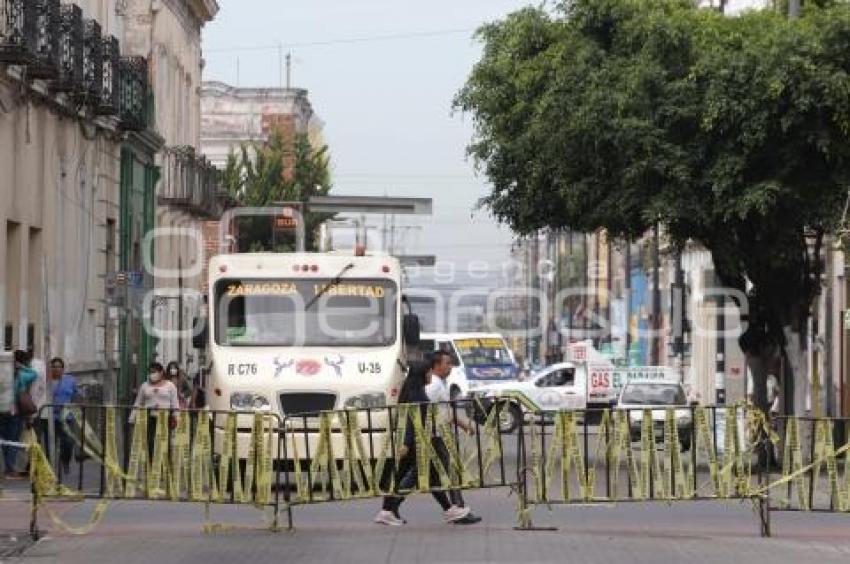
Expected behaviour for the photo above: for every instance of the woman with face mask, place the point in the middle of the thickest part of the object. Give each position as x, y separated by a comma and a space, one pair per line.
156, 393
184, 389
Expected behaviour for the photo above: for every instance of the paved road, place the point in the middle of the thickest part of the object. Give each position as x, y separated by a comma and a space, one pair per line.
695, 532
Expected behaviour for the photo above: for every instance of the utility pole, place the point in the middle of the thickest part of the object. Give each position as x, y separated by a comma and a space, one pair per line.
288, 70
829, 304
529, 274
656, 294
720, 353
794, 8
280, 63
678, 315
627, 306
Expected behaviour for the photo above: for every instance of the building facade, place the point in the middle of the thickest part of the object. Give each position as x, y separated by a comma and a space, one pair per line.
71, 103
232, 117
639, 302
168, 34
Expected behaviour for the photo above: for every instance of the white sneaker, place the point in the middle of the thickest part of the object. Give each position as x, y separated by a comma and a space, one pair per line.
387, 518
454, 513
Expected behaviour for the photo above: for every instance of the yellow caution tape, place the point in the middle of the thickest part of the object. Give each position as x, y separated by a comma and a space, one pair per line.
676, 488
137, 466
356, 467
181, 461
45, 484
323, 467
159, 465
647, 455
622, 444
792, 463
202, 474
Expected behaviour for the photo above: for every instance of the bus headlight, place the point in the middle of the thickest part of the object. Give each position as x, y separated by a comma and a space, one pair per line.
247, 401
366, 401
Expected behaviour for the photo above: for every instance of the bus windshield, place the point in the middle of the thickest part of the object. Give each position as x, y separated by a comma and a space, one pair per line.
483, 351
281, 312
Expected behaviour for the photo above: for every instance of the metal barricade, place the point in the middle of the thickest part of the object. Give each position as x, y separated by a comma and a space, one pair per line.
119, 452
547, 458
358, 453
809, 465
642, 455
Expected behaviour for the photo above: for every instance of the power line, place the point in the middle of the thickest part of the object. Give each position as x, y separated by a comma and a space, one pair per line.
343, 41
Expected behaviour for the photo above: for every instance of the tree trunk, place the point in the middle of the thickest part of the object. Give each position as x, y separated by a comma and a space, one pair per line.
796, 385
759, 365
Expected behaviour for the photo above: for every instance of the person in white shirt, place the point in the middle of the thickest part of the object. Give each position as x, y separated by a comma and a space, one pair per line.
775, 401
156, 394
438, 391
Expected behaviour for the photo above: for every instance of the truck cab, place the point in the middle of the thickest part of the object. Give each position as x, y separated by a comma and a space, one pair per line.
588, 380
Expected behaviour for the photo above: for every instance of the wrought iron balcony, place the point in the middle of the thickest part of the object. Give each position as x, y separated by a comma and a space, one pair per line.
133, 93
110, 94
189, 181
92, 64
70, 78
48, 22
18, 32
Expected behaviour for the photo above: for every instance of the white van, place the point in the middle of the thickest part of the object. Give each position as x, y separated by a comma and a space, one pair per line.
479, 359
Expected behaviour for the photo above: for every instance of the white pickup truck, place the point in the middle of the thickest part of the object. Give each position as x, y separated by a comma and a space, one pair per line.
586, 380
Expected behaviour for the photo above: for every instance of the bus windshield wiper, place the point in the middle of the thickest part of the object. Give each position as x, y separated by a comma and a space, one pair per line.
334, 281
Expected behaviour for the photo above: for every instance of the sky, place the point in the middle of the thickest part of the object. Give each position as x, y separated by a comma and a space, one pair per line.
381, 74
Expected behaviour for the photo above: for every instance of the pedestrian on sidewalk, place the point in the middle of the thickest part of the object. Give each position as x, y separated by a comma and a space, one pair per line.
156, 394
64, 393
23, 414
176, 376
406, 476
7, 420
439, 392
776, 423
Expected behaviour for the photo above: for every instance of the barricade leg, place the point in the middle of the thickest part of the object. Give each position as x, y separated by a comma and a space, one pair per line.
287, 493
525, 522
763, 506
763, 501
36, 500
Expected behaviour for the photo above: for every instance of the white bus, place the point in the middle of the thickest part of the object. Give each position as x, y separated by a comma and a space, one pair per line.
300, 333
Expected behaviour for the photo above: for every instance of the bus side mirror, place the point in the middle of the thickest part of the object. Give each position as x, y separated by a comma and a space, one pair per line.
410, 329
199, 333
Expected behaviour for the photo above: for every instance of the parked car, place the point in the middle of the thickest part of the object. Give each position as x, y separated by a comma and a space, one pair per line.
659, 397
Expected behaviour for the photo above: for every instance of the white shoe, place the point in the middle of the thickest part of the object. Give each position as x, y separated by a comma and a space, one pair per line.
454, 513
387, 518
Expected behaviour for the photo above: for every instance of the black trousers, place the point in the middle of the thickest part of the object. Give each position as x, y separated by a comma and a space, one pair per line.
407, 477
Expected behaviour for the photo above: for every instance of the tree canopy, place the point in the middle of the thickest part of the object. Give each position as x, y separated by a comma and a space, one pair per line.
278, 170
728, 131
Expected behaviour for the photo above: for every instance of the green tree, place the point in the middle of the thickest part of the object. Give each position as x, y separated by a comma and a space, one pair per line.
277, 170
732, 132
